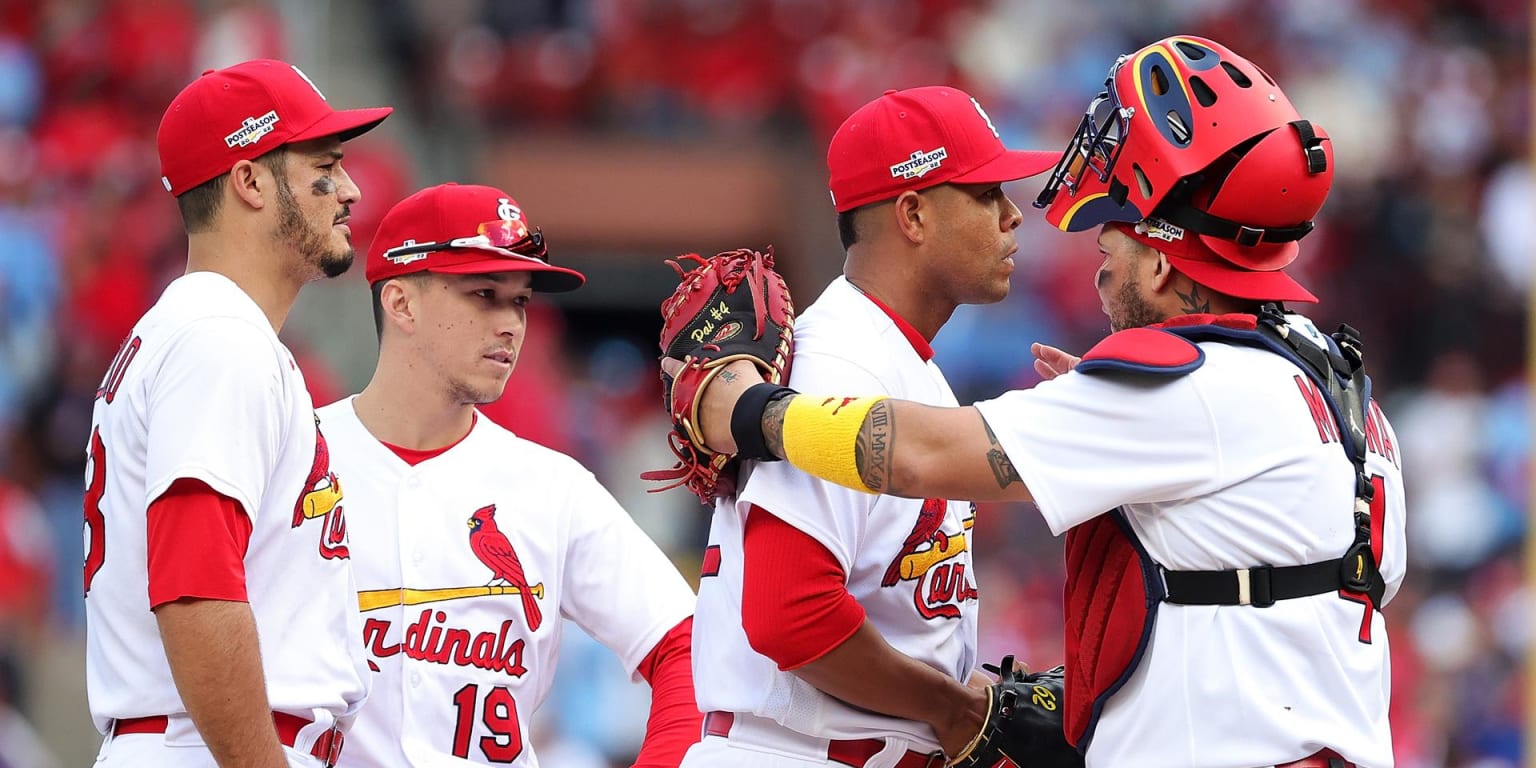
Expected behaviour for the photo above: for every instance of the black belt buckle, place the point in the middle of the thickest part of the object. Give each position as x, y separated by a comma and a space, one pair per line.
1257, 586
1357, 568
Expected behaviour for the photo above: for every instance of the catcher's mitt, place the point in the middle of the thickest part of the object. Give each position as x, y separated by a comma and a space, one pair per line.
1024, 722
732, 306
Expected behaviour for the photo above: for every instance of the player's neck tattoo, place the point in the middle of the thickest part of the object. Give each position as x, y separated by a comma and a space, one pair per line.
997, 458
773, 424
1193, 302
873, 450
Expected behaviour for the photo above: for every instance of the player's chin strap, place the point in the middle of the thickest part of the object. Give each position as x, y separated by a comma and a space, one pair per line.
1341, 374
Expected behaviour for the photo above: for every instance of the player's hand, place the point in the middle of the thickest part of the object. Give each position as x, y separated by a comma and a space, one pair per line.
1051, 362
718, 398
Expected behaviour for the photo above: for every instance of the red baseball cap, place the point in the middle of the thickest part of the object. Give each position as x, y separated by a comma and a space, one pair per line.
243, 112
1193, 255
919, 138
463, 229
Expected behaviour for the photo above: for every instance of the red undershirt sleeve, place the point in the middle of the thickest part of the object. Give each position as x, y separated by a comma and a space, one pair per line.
793, 615
197, 545
675, 722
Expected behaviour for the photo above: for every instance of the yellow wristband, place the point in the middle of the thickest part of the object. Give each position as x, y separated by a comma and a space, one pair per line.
821, 436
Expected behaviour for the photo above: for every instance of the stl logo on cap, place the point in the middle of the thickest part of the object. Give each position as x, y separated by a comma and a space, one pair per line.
507, 211
985, 117
300, 73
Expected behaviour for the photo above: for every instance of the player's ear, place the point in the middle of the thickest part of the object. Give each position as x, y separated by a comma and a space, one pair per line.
251, 183
911, 213
396, 305
1162, 272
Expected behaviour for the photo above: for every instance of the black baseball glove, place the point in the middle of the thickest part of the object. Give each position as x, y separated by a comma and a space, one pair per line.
1024, 722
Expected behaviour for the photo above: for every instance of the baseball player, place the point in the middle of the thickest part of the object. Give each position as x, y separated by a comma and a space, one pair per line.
221, 624
470, 542
837, 628
1231, 495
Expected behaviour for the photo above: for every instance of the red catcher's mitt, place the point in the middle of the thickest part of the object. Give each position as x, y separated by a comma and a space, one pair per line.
732, 306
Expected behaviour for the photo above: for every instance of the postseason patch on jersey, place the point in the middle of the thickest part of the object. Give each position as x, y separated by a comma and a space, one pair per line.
919, 164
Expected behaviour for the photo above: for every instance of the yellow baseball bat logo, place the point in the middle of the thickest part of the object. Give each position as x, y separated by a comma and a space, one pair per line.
1043, 698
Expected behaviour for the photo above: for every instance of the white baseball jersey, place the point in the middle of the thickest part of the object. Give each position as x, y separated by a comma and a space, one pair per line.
465, 564
1224, 468
908, 561
203, 389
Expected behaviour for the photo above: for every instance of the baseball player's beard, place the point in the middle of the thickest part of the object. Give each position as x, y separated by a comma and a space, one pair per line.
1130, 310
311, 243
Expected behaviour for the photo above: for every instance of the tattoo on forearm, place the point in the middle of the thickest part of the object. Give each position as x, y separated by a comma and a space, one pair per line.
873, 450
1194, 303
1002, 466
773, 425
728, 376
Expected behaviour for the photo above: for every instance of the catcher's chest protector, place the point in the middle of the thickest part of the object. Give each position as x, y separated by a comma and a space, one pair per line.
1113, 586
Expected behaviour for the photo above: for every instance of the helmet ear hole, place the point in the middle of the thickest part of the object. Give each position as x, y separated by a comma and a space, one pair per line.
1190, 51
1159, 80
1203, 92
1180, 130
1143, 185
1236, 75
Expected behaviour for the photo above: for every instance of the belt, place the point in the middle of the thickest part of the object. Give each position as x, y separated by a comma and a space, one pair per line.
851, 752
1324, 759
327, 748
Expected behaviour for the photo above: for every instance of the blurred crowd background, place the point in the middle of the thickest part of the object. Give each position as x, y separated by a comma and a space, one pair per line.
634, 130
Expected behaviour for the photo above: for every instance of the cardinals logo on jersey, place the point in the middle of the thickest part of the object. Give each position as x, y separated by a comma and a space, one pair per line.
321, 498
495, 551
924, 558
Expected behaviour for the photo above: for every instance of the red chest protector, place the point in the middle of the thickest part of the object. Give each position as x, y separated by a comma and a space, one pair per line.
1113, 588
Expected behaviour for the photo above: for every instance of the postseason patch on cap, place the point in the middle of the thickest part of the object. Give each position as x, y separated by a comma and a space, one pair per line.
919, 164
404, 259
251, 130
1160, 230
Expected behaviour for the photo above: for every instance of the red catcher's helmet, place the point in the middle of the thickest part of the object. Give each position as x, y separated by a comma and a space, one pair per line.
1168, 114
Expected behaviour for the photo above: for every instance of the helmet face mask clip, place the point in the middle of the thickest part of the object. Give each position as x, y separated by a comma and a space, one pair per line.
1096, 145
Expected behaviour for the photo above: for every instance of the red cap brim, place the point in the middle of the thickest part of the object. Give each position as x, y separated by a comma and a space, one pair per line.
1242, 283
344, 124
547, 278
1010, 166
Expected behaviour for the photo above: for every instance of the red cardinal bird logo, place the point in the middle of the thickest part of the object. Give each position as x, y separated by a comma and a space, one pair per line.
925, 531
493, 549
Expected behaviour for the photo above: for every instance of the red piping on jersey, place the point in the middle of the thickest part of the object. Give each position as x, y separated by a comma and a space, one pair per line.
413, 457
795, 606
919, 344
197, 539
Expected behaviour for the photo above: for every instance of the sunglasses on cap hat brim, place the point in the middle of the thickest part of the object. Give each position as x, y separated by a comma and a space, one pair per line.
504, 237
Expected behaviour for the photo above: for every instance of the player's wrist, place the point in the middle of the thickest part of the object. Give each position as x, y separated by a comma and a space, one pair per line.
964, 722
748, 419
820, 435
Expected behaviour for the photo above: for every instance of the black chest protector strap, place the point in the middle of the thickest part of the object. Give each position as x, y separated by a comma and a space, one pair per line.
1339, 373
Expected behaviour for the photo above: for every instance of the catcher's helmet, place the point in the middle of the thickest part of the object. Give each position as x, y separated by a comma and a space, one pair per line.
1168, 113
